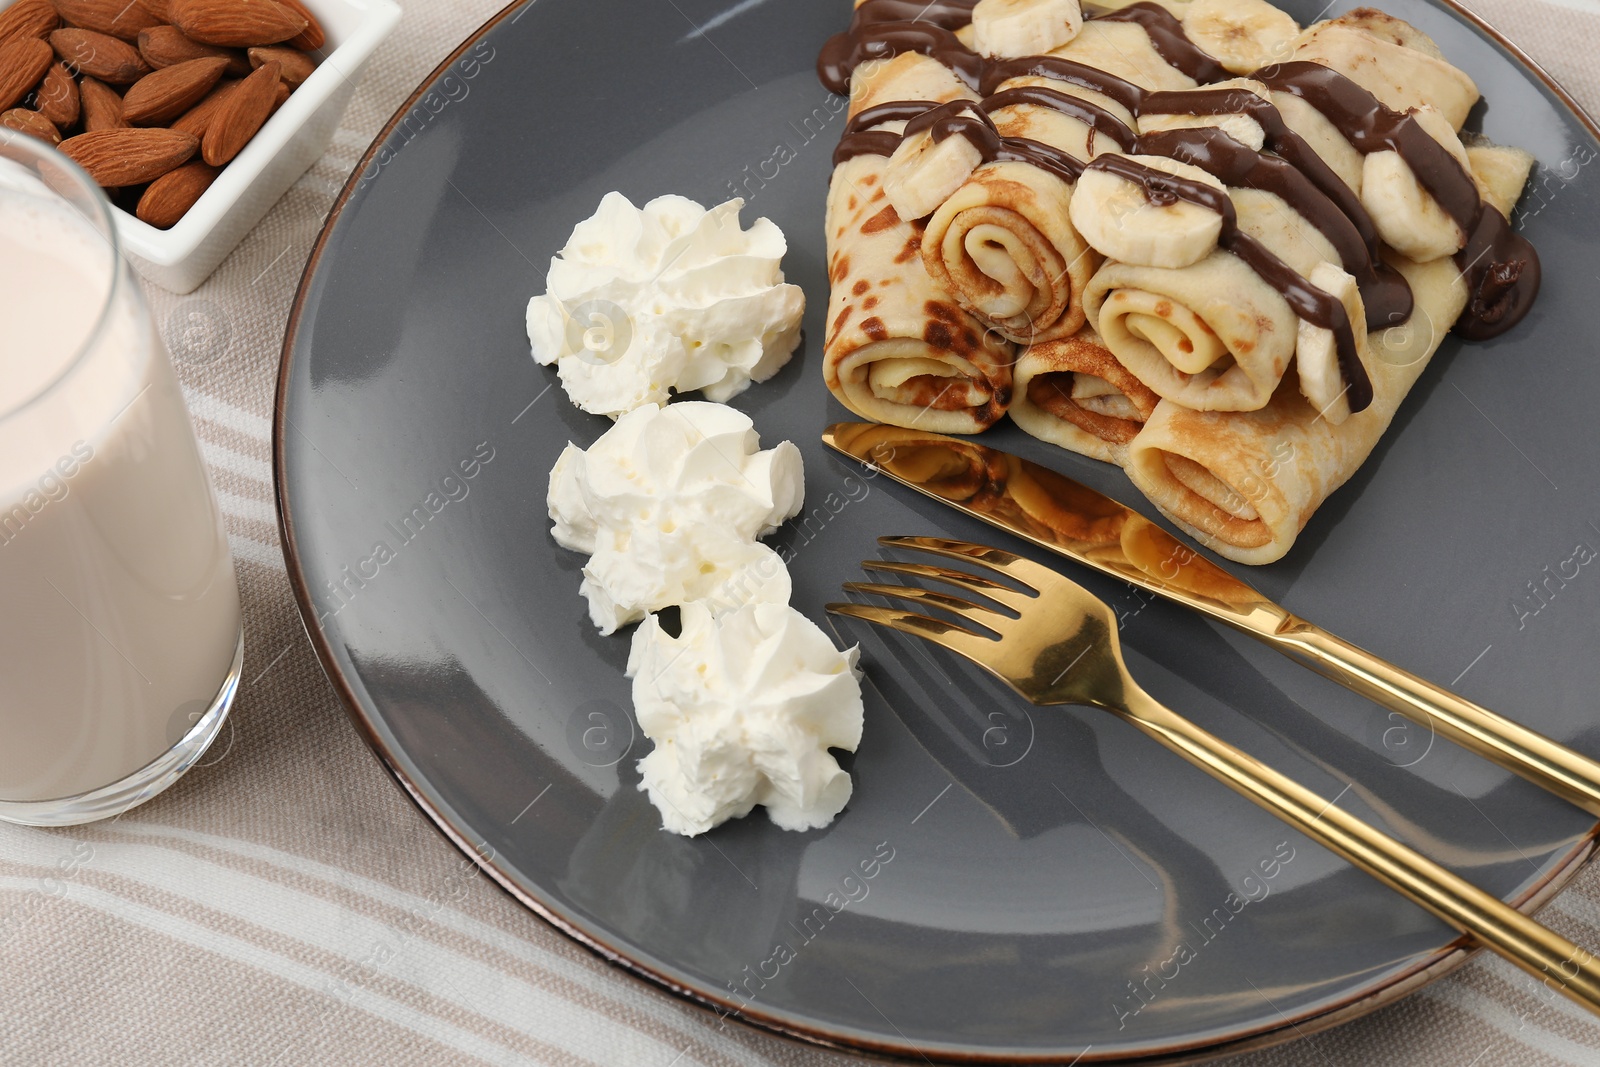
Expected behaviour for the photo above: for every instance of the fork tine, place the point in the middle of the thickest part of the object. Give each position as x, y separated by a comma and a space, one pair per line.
953, 604
1018, 568
972, 583
958, 639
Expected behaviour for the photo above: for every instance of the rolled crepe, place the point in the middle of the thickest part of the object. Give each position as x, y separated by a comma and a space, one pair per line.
898, 349
1003, 244
1212, 336
1246, 483
1072, 392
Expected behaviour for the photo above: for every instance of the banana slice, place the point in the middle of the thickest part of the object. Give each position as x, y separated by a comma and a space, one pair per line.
1317, 354
1240, 127
1119, 221
1406, 216
1093, 393
923, 174
1007, 29
1388, 28
1242, 35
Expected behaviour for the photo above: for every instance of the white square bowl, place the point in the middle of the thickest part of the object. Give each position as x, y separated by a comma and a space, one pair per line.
284, 148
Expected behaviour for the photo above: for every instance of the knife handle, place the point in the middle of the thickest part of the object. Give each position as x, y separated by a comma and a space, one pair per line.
1545, 763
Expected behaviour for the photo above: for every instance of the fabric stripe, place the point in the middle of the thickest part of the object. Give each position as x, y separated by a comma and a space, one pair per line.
241, 951
348, 934
221, 457
209, 406
568, 971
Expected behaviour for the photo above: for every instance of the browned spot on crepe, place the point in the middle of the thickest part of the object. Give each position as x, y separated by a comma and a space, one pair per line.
841, 270
1004, 189
869, 303
948, 329
875, 329
883, 220
938, 392
839, 323
861, 287
912, 250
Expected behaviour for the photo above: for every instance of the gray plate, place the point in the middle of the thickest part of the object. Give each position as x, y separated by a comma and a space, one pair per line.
1047, 865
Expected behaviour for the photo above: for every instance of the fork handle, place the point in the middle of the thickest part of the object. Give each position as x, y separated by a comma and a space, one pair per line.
1543, 953
1552, 766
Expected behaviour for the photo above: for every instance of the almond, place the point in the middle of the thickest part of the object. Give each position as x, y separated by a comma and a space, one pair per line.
58, 97
31, 123
312, 38
116, 158
99, 55
297, 66
166, 46
102, 107
158, 98
28, 18
197, 118
22, 65
239, 116
119, 18
174, 193
161, 9
240, 23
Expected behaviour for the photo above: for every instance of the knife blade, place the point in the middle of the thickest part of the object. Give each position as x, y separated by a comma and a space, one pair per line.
1050, 510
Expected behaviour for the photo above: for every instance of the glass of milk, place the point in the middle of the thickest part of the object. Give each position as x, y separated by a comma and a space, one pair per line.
120, 634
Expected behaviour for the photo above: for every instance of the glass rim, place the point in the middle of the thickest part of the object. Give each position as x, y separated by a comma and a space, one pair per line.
35, 156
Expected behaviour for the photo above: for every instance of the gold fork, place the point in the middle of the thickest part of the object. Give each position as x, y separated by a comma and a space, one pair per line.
1057, 644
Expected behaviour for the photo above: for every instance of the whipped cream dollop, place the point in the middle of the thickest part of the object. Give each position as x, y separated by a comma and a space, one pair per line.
669, 504
743, 707
670, 297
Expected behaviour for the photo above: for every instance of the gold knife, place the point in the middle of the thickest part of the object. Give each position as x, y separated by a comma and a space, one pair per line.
1056, 513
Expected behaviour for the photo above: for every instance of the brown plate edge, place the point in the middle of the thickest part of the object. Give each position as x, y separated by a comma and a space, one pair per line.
1427, 969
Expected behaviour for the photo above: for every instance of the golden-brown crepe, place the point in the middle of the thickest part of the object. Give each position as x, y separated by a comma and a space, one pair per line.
1148, 341
1245, 483
1003, 244
1213, 335
898, 348
1072, 392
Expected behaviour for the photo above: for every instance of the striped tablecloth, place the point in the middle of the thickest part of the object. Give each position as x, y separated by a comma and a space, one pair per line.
285, 904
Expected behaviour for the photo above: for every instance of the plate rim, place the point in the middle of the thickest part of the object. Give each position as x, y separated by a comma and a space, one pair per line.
1424, 971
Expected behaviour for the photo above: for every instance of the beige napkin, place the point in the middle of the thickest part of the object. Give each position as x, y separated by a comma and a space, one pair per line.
287, 905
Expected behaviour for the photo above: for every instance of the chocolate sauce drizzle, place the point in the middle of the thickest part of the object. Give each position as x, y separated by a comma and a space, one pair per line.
1170, 42
970, 119
860, 139
1312, 304
1311, 187
883, 29
1057, 68
1501, 267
